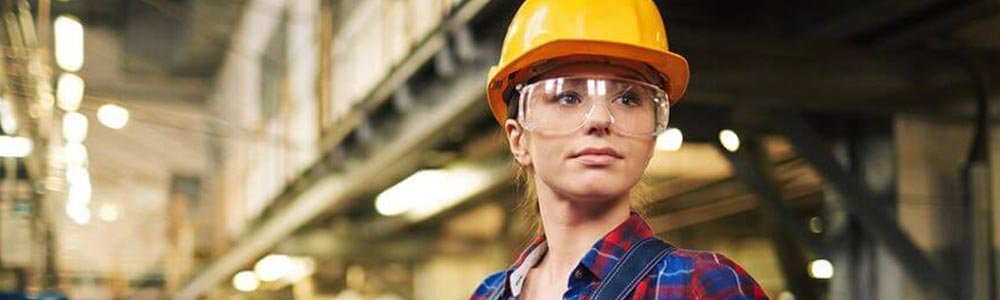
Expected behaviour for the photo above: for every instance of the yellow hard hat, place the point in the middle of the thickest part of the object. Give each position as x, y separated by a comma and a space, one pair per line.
543, 30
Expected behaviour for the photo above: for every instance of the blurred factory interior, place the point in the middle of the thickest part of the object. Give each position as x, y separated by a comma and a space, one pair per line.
340, 149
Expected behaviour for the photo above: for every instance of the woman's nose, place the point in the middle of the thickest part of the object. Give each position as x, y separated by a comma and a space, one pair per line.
599, 119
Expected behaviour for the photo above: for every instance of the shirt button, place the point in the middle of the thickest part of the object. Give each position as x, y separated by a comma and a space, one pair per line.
578, 274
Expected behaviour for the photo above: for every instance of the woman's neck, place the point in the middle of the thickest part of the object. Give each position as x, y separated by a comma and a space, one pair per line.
572, 226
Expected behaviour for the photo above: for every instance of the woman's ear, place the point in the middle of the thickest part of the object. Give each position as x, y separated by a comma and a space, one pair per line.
516, 139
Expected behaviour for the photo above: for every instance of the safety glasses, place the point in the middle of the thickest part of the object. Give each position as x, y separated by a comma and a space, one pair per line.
563, 105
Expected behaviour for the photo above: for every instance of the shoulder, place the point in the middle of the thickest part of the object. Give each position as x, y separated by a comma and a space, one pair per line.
490, 284
709, 275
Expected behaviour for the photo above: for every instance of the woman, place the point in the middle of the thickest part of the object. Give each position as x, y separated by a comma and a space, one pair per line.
582, 89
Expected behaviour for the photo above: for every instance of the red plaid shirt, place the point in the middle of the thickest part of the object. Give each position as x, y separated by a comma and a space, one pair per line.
684, 274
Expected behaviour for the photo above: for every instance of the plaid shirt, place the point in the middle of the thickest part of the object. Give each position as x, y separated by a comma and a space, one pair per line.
684, 274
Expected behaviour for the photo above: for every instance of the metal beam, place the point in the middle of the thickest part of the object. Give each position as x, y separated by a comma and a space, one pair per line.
858, 201
849, 84
752, 166
793, 262
465, 43
453, 100
757, 178
977, 194
151, 88
940, 24
871, 15
833, 77
424, 52
696, 202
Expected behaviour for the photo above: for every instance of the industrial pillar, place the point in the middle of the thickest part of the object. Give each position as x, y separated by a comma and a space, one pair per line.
864, 269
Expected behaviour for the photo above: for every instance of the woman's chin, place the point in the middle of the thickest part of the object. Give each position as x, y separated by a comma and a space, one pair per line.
595, 190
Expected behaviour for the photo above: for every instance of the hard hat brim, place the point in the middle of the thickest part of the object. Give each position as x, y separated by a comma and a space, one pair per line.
673, 66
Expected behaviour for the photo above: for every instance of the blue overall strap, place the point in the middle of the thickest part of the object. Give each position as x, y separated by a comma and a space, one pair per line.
633, 267
500, 290
498, 293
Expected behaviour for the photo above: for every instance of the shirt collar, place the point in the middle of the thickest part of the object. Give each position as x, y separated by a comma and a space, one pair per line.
601, 258
607, 251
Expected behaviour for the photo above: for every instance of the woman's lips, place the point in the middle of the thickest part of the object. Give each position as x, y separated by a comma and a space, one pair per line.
596, 160
596, 156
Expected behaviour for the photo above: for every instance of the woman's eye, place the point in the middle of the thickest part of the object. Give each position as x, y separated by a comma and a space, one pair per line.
629, 99
567, 99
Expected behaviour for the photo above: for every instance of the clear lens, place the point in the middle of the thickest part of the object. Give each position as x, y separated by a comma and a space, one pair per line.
563, 105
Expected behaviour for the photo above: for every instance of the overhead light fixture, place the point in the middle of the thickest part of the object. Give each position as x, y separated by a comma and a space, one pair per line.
79, 190
74, 127
77, 175
671, 140
78, 212
8, 119
75, 154
68, 43
15, 146
299, 268
427, 192
729, 140
816, 225
246, 281
272, 267
821, 269
79, 193
113, 116
69, 91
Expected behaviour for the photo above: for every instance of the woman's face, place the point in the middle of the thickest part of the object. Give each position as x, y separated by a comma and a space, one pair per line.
593, 163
